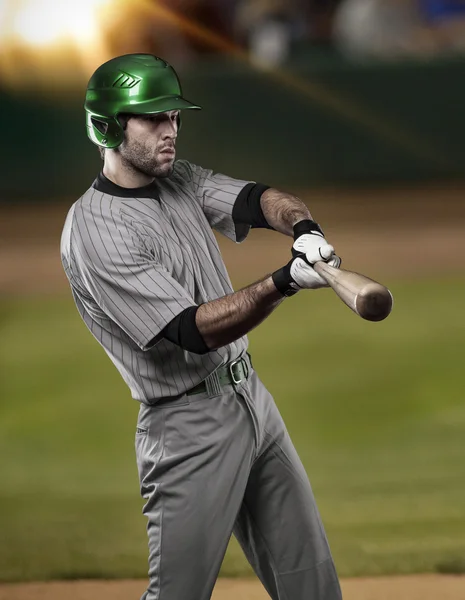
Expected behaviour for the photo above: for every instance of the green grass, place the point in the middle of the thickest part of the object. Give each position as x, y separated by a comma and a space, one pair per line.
375, 410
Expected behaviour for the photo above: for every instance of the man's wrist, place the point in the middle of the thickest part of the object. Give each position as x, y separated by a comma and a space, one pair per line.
283, 281
306, 226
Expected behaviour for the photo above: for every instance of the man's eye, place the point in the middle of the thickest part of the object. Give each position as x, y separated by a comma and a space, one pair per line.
158, 118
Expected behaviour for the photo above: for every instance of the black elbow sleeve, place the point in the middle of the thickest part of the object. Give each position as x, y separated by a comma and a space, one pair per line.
183, 332
247, 208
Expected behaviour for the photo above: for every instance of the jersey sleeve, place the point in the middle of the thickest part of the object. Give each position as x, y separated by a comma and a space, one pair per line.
124, 276
217, 194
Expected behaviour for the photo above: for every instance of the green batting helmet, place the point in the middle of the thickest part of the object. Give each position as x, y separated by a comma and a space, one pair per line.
137, 84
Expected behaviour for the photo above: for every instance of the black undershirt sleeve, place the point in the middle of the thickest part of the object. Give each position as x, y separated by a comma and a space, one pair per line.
183, 332
247, 209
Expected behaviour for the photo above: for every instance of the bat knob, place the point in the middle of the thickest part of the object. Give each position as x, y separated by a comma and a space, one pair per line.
373, 302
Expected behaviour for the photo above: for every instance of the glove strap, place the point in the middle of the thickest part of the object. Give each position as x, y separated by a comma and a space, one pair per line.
306, 226
282, 280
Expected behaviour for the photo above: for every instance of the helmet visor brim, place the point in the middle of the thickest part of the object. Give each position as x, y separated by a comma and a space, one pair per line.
159, 105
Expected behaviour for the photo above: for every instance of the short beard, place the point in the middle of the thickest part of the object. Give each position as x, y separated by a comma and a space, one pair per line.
136, 158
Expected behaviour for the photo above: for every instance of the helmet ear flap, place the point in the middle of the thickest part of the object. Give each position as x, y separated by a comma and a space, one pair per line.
105, 132
99, 125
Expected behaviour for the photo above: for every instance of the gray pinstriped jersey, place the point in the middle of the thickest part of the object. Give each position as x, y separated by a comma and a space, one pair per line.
133, 264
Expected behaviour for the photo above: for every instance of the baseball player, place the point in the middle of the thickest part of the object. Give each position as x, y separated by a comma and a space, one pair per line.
213, 454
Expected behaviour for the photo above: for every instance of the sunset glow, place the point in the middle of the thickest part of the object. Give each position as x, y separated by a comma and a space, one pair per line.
46, 22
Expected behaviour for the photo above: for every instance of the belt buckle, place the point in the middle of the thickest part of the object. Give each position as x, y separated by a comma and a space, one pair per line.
231, 372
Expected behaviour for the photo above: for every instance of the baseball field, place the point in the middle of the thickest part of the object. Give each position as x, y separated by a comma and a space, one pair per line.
375, 410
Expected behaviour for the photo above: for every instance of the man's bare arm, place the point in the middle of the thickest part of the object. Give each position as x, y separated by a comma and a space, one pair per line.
226, 319
282, 211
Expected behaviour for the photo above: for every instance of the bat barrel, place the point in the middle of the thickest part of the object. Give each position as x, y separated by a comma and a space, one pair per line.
366, 297
373, 302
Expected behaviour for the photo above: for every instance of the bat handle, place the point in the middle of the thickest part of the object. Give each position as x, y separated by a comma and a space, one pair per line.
328, 273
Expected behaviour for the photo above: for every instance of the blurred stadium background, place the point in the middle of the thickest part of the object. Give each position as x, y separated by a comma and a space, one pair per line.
355, 105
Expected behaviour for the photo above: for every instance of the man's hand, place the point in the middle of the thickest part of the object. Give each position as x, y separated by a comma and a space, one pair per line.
313, 246
309, 247
297, 275
309, 242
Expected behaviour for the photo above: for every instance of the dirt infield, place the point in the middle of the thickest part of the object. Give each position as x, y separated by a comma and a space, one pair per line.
407, 232
413, 587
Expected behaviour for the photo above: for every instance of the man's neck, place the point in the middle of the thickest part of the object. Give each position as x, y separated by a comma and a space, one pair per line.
127, 178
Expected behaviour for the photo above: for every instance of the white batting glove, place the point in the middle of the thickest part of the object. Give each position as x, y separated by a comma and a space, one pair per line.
309, 247
309, 241
305, 276
297, 275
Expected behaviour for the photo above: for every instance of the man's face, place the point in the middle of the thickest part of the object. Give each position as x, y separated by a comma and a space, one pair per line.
149, 143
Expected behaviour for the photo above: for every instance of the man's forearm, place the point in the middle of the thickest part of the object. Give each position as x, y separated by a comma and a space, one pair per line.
282, 211
226, 319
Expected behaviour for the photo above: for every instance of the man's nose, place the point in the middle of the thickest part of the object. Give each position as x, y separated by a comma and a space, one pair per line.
171, 130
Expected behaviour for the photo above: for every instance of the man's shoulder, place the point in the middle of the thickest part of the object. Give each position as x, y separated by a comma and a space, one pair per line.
182, 167
93, 212
94, 201
186, 170
182, 173
76, 208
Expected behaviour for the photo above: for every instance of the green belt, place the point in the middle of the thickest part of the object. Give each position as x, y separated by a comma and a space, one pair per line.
234, 372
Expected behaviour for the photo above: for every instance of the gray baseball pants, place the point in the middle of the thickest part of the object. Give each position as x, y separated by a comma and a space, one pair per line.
212, 465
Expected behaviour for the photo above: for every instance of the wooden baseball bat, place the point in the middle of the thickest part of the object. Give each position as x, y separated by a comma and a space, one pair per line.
367, 298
